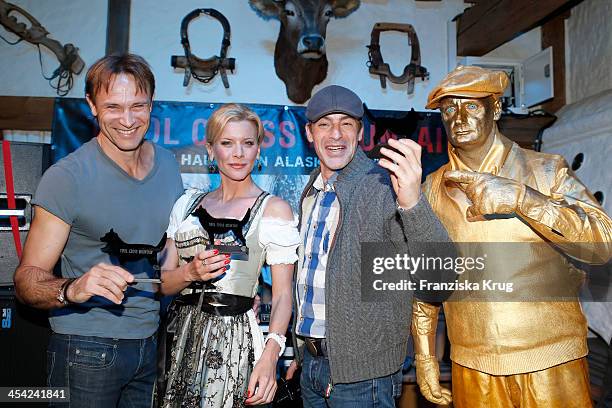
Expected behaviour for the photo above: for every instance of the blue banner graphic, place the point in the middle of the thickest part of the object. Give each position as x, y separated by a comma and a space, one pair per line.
286, 155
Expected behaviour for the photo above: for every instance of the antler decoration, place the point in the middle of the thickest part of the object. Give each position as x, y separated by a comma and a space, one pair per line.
67, 55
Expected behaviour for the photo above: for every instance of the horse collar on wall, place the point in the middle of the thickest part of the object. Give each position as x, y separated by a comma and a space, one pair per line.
378, 66
204, 70
299, 55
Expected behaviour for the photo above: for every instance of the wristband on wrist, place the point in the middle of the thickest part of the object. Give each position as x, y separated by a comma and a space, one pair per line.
278, 338
61, 294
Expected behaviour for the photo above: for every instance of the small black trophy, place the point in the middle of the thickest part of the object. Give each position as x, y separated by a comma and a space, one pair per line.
220, 226
125, 252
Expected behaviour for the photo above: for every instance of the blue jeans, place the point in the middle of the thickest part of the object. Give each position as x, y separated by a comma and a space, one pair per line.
102, 372
378, 392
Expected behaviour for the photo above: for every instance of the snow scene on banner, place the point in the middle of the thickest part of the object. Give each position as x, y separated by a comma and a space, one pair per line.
286, 155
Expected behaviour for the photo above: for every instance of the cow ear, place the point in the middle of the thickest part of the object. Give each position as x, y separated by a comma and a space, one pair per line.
267, 8
343, 8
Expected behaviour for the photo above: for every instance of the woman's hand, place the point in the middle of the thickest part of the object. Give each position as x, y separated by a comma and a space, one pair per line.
206, 265
256, 304
293, 367
263, 377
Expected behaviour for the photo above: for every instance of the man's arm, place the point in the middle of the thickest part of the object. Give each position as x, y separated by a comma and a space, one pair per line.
35, 283
568, 216
419, 231
423, 328
420, 234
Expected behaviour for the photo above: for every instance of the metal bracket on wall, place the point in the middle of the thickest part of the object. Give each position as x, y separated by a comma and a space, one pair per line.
67, 55
378, 66
204, 70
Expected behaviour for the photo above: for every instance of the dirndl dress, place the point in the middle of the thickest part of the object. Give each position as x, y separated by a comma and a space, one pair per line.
217, 340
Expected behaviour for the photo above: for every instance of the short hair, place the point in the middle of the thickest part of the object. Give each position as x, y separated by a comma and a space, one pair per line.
232, 112
103, 71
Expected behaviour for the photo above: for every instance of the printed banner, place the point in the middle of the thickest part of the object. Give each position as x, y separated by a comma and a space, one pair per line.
286, 155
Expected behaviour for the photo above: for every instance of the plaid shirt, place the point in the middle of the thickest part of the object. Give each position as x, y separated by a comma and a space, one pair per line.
317, 234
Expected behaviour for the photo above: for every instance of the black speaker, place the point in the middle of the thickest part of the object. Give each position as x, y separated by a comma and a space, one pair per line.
24, 336
28, 162
24, 331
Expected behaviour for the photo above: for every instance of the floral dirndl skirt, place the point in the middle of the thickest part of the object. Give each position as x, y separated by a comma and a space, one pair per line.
212, 358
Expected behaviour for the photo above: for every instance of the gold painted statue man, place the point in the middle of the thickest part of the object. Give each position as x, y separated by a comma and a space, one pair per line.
508, 354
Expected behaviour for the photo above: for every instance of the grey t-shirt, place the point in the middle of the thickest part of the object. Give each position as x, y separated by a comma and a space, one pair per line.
93, 194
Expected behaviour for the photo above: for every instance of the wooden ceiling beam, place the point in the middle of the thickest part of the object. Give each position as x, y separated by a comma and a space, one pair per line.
118, 27
553, 35
26, 113
487, 25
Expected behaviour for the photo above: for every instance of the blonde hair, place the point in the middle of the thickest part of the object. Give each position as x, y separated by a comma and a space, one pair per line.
232, 112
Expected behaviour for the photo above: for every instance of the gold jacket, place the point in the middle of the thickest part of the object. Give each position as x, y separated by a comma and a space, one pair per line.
505, 338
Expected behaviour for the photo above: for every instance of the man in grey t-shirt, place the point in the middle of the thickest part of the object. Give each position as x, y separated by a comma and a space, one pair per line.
103, 209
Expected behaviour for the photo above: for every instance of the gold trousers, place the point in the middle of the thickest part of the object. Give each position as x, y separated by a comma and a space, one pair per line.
562, 386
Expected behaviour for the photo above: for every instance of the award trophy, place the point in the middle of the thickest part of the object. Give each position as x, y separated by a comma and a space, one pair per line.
215, 227
125, 252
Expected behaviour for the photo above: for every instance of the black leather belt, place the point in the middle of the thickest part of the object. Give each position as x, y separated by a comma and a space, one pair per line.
233, 305
316, 347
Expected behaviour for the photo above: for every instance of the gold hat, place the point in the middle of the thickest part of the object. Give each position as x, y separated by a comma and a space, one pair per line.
470, 82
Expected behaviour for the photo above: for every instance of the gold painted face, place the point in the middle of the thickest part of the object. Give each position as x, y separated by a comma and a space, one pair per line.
469, 122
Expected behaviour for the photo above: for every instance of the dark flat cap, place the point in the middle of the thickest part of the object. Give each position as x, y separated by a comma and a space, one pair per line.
334, 99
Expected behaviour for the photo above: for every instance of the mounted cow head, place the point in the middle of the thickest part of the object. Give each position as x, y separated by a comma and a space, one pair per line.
299, 56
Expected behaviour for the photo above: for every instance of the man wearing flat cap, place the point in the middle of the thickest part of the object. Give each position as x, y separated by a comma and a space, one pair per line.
353, 350
508, 354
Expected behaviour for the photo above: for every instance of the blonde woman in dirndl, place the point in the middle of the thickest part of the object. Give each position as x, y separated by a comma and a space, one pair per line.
219, 357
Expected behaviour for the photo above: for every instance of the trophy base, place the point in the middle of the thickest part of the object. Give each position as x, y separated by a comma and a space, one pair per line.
236, 253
